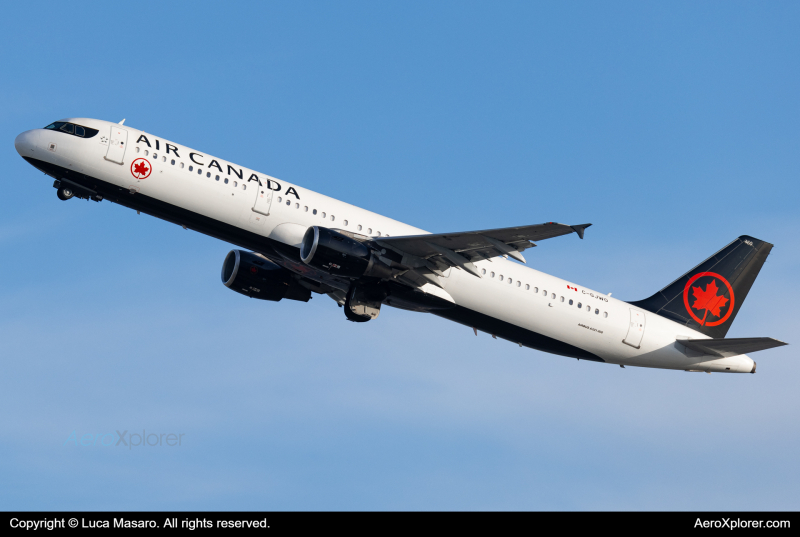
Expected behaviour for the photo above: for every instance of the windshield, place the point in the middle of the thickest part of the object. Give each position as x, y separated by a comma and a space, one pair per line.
73, 129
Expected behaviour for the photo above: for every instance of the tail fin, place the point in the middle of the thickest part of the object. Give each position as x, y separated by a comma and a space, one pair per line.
708, 297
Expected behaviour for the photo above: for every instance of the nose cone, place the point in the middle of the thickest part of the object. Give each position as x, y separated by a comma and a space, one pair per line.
25, 143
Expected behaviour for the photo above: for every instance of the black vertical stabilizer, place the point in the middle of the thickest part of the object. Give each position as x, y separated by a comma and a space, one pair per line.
708, 297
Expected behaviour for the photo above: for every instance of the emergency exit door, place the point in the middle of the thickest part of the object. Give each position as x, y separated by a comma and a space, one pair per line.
263, 200
117, 141
635, 329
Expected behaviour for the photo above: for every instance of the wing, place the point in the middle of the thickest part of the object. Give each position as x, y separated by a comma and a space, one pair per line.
438, 252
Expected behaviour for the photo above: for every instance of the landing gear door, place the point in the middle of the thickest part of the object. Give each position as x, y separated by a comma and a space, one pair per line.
635, 329
116, 144
263, 200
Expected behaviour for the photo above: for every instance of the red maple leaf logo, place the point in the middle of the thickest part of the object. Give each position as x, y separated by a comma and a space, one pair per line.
140, 169
708, 300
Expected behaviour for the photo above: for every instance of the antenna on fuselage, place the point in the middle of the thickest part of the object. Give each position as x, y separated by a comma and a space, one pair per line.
122, 122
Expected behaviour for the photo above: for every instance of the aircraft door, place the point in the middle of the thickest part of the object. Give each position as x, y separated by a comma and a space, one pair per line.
258, 215
117, 141
635, 329
263, 200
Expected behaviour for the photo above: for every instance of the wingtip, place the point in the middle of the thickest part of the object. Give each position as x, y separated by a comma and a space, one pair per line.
579, 229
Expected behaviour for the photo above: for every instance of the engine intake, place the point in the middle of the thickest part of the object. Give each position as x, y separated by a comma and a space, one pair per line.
340, 255
257, 277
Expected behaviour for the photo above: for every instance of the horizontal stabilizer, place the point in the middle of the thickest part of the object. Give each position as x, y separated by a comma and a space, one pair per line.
731, 347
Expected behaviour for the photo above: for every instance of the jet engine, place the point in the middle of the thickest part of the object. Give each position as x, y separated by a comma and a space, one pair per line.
257, 277
338, 254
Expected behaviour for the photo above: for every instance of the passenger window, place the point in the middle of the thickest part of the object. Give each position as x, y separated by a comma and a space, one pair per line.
68, 128
191, 168
483, 271
570, 301
535, 289
181, 164
216, 178
501, 277
588, 308
163, 159
199, 171
146, 152
296, 205
510, 281
305, 209
369, 231
288, 203
597, 311
527, 287
553, 296
562, 299
137, 149
226, 180
345, 223
235, 184
244, 186
544, 292
359, 227
314, 211
155, 155
333, 218
580, 305
605, 314
173, 162
378, 233
280, 199
519, 283
323, 215
208, 174
492, 274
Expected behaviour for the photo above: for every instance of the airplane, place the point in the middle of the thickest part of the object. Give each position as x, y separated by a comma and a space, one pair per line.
296, 243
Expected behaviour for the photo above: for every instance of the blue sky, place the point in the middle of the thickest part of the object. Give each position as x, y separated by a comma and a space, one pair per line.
672, 127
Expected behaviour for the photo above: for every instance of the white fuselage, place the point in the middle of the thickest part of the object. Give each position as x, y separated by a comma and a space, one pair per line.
508, 291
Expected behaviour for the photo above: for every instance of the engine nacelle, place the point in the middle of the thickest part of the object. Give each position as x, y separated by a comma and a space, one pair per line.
257, 277
340, 255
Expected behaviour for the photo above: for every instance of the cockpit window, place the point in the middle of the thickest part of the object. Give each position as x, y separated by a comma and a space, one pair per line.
71, 128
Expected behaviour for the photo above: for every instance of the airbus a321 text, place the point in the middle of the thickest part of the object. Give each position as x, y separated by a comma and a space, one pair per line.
297, 243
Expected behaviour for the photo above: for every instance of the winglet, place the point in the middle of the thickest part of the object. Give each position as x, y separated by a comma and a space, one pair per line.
580, 229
